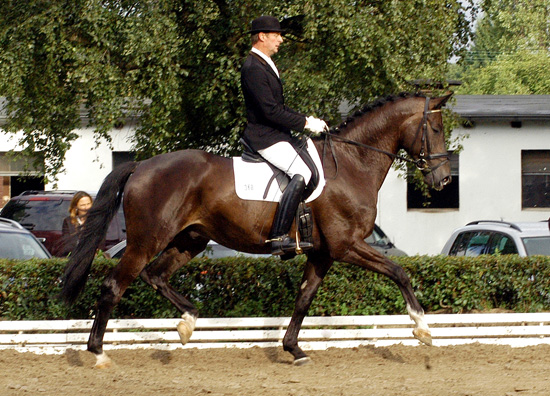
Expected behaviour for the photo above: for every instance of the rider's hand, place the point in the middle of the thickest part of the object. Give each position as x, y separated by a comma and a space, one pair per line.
316, 125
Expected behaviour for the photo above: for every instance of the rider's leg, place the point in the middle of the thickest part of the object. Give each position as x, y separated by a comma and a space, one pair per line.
281, 243
283, 156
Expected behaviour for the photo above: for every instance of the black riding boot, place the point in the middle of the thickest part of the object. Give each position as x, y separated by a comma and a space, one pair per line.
281, 243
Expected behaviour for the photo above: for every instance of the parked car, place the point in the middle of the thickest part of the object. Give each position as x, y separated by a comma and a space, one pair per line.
18, 243
213, 250
42, 213
378, 240
499, 237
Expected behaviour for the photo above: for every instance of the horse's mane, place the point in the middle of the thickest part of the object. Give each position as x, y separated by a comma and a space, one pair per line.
375, 105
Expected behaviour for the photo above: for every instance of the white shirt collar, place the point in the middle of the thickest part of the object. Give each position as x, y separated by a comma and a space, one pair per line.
267, 59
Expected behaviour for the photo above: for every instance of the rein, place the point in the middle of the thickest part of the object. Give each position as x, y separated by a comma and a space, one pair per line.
421, 163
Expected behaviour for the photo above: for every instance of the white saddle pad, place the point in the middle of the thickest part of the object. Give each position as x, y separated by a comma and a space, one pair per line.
253, 179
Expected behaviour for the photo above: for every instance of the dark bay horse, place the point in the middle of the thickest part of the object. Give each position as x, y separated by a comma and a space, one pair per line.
175, 203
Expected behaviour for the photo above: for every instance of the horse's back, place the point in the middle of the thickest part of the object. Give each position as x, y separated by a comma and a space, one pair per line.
171, 169
166, 182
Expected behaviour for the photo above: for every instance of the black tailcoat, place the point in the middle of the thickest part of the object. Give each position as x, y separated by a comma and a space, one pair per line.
269, 120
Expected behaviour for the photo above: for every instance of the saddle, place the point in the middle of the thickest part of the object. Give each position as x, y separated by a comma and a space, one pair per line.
304, 221
251, 156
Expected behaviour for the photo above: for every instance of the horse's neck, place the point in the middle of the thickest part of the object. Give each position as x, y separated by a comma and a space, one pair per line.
379, 129
376, 131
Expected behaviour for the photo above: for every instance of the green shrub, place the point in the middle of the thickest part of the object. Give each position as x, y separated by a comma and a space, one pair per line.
234, 287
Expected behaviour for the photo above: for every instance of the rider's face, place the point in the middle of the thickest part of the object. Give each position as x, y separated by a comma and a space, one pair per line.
271, 42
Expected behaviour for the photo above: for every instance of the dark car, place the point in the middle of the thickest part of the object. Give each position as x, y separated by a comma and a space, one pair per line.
380, 241
213, 250
42, 213
18, 243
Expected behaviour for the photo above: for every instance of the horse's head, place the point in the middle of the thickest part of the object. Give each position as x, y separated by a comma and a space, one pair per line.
424, 139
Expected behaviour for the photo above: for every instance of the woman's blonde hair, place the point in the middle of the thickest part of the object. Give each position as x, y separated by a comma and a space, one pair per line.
72, 206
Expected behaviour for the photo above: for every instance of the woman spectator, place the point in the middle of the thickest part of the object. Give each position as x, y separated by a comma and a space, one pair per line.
72, 224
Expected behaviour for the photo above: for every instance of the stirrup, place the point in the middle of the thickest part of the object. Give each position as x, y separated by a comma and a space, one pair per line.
284, 244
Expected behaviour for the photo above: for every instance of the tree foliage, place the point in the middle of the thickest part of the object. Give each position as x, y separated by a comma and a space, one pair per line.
175, 64
511, 50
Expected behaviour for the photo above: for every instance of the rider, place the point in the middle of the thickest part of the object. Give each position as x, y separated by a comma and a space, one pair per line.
269, 126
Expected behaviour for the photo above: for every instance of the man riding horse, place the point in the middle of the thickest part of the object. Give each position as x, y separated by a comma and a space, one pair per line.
269, 125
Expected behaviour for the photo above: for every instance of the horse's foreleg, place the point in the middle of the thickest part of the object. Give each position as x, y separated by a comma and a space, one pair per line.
315, 271
367, 257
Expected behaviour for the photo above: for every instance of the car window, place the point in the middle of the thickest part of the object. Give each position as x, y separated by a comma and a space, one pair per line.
377, 239
501, 243
20, 247
470, 243
537, 246
38, 215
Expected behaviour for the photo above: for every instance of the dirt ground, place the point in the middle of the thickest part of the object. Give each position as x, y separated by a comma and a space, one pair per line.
398, 370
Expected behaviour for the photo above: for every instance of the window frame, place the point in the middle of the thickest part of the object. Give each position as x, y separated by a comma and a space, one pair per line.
535, 165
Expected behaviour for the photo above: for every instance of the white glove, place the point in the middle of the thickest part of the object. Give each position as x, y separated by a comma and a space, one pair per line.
316, 125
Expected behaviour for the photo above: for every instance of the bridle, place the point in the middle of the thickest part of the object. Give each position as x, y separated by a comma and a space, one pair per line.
423, 157
422, 161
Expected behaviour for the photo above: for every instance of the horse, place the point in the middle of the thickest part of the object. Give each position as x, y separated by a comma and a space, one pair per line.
175, 203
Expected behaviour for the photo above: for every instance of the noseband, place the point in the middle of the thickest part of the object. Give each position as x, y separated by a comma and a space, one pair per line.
421, 162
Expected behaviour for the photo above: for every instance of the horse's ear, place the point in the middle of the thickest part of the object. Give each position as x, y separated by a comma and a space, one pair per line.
440, 101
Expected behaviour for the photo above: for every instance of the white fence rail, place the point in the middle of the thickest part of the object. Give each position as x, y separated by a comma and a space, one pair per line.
56, 336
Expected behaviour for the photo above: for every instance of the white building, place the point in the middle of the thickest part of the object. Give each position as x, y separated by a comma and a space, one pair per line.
503, 173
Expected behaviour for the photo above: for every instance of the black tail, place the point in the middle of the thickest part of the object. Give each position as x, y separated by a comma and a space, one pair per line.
95, 228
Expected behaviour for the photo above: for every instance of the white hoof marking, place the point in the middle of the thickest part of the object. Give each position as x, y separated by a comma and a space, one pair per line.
421, 332
102, 361
302, 361
185, 327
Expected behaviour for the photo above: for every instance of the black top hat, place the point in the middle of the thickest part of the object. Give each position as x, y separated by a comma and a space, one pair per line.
266, 24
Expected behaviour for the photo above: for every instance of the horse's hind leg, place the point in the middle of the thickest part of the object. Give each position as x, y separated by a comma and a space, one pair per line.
112, 289
158, 273
316, 268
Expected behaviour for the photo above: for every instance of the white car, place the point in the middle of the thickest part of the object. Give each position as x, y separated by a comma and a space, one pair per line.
499, 237
18, 243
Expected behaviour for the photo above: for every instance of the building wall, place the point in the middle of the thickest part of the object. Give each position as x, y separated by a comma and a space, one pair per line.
490, 188
85, 165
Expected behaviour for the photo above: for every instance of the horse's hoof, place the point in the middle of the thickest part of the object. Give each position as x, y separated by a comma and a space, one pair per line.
103, 366
423, 335
103, 362
185, 327
302, 361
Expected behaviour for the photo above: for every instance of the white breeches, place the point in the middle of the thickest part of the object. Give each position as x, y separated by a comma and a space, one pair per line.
284, 156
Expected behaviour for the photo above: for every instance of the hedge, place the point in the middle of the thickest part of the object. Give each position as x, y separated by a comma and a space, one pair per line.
234, 287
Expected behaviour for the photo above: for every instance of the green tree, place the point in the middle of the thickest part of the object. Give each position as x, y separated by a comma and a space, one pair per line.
521, 73
511, 49
174, 64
